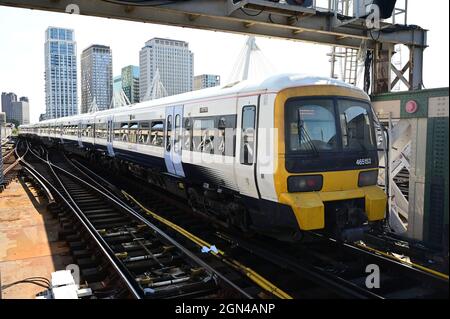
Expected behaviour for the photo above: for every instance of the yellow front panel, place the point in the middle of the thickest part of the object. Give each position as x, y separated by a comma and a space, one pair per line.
281, 175
339, 185
376, 201
308, 209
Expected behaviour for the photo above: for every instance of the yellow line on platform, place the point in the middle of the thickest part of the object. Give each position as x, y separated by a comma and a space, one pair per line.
428, 270
251, 274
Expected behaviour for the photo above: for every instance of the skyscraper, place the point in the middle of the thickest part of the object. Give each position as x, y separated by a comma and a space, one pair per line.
96, 78
130, 83
61, 94
205, 81
21, 111
7, 100
174, 62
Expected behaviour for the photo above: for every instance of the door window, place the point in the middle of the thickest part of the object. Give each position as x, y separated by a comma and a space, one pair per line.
248, 135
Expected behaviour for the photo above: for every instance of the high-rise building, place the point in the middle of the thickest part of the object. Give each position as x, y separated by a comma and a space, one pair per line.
96, 78
61, 95
174, 62
117, 86
205, 81
130, 83
7, 100
21, 112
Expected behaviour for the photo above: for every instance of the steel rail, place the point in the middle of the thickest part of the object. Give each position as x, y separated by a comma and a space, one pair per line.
47, 192
248, 272
16, 162
385, 257
108, 194
88, 226
114, 199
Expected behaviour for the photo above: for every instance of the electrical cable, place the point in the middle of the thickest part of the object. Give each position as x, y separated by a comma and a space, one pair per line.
145, 3
251, 15
27, 281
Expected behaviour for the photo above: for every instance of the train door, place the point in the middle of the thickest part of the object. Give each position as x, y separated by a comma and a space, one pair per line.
173, 140
80, 126
61, 133
110, 136
245, 161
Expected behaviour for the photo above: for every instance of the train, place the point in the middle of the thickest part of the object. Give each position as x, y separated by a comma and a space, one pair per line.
279, 156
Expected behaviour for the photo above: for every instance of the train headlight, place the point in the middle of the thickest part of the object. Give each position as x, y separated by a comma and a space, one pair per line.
368, 178
311, 183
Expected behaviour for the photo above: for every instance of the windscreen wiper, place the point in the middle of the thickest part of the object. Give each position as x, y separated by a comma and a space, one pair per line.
303, 135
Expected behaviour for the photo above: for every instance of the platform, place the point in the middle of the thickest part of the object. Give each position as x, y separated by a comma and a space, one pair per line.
29, 243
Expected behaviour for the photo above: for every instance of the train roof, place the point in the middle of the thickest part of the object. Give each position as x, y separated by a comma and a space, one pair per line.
274, 83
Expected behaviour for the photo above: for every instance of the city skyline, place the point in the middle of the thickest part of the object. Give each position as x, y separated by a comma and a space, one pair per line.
215, 51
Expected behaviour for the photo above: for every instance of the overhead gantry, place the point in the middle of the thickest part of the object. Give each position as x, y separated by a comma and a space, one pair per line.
322, 25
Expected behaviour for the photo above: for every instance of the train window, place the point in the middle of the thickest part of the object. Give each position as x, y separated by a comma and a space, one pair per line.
169, 133
248, 135
157, 133
177, 143
221, 136
187, 141
144, 132
124, 132
203, 136
311, 126
90, 130
117, 127
133, 132
100, 130
357, 129
105, 131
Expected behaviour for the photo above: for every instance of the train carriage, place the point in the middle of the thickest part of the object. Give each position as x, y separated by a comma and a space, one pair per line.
281, 156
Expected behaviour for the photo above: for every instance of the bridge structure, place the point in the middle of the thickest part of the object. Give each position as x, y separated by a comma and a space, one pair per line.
324, 22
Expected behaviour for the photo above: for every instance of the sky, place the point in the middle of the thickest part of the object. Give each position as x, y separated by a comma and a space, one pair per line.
22, 37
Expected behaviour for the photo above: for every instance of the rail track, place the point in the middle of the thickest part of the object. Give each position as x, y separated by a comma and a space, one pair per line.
11, 164
318, 267
120, 253
339, 268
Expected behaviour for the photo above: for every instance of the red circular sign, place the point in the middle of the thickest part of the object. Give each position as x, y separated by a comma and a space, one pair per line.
411, 107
